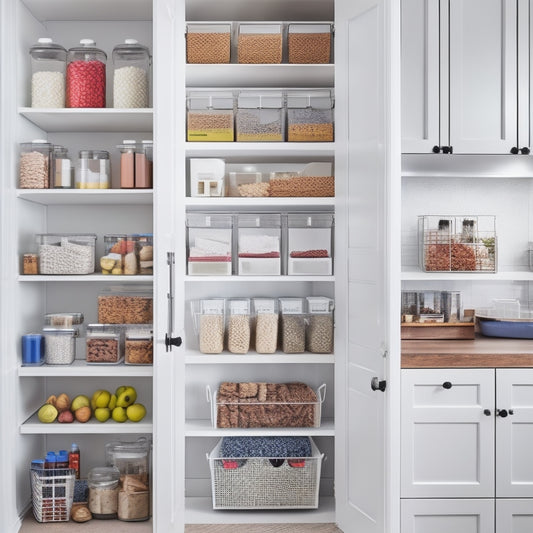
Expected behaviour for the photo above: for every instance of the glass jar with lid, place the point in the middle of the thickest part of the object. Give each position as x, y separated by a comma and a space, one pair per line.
86, 75
60, 345
34, 164
131, 64
103, 484
127, 163
93, 170
62, 174
144, 157
48, 64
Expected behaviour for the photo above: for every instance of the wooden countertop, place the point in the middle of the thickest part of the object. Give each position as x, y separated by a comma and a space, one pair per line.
483, 352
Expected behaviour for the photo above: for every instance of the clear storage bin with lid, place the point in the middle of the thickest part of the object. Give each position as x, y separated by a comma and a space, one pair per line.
310, 239
248, 184
239, 326
93, 170
66, 253
207, 177
126, 305
208, 42
130, 458
259, 245
266, 317
209, 244
144, 163
292, 324
131, 72
209, 322
48, 64
310, 116
121, 255
62, 171
34, 164
260, 116
103, 484
319, 332
139, 345
309, 43
60, 345
210, 116
260, 43
63, 320
145, 250
86, 75
127, 163
104, 344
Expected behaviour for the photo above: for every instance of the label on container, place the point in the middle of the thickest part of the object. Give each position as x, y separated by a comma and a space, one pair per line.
292, 307
211, 135
265, 306
239, 307
319, 305
212, 307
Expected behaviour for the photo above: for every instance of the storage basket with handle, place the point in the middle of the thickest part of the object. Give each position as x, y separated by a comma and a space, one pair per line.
52, 493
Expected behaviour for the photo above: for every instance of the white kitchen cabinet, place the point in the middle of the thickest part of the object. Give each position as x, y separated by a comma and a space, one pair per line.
460, 78
514, 516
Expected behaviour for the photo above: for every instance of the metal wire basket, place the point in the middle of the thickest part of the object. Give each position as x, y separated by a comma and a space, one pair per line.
52, 493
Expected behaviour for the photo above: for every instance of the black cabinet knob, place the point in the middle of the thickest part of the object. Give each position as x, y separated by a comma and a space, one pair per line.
436, 149
514, 150
525, 150
446, 150
172, 341
502, 412
486, 412
446, 385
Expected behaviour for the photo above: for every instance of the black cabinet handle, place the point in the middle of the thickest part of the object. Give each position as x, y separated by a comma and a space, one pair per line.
486, 412
511, 412
502, 412
446, 385
446, 150
436, 149
514, 150
525, 150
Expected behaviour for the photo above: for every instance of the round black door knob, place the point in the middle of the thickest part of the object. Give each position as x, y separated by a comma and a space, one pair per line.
502, 412
525, 150
514, 150
486, 412
446, 385
436, 149
446, 150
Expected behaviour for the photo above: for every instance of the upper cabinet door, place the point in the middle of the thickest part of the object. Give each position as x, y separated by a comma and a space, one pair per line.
525, 74
483, 76
420, 76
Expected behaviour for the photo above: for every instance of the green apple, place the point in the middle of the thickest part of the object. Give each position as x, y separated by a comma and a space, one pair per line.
102, 398
126, 397
47, 413
119, 414
80, 401
136, 412
112, 402
102, 414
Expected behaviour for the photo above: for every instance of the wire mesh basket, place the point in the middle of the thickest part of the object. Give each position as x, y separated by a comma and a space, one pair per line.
261, 483
457, 243
52, 493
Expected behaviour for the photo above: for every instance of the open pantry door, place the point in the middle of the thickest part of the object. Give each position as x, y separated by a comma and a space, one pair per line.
367, 255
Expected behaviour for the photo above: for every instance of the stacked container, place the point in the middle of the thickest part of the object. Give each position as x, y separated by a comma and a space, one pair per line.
319, 332
60, 345
139, 345
260, 116
309, 43
104, 343
292, 324
310, 116
265, 312
210, 116
34, 164
208, 42
209, 323
260, 43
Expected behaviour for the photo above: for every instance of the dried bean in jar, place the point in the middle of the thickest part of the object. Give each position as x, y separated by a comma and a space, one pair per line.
292, 333
266, 333
319, 334
239, 334
211, 333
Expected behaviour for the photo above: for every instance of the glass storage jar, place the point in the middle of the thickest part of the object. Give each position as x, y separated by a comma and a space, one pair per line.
86, 75
131, 70
260, 117
239, 327
103, 484
103, 344
144, 162
209, 322
127, 163
48, 64
34, 164
60, 345
260, 43
309, 43
130, 458
265, 312
93, 170
210, 116
208, 43
310, 116
126, 305
319, 331
139, 345
62, 174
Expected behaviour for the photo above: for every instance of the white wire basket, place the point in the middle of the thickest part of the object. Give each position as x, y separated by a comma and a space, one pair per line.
52, 493
256, 484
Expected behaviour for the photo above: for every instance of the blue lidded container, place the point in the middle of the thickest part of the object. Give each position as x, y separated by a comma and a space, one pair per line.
32, 349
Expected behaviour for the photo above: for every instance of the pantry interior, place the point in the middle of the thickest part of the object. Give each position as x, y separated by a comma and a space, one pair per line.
174, 389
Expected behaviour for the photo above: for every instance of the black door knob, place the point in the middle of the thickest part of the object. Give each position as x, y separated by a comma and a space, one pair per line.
436, 149
446, 150
486, 412
502, 412
376, 384
446, 385
514, 150
172, 341
525, 150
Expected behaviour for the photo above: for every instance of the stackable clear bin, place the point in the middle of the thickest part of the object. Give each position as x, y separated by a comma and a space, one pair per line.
209, 244
260, 116
209, 322
208, 42
309, 43
139, 345
207, 177
35, 164
315, 180
104, 344
120, 255
259, 245
310, 116
239, 325
66, 253
266, 318
433, 306
457, 243
310, 244
260, 43
293, 319
248, 184
319, 331
63, 320
122, 307
210, 116
60, 345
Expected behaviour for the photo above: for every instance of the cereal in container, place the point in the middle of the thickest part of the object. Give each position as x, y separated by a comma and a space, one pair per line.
104, 344
265, 311
139, 345
260, 43
309, 43
292, 324
319, 332
310, 116
34, 164
209, 322
123, 307
239, 327
210, 116
260, 116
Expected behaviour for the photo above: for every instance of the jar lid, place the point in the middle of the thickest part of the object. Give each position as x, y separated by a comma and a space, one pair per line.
132, 49
87, 45
100, 154
71, 332
45, 44
104, 475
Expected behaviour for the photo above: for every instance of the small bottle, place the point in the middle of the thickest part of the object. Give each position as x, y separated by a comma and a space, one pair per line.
51, 460
74, 459
62, 459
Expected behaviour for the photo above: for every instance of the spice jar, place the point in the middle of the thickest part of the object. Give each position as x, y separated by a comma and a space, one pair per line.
48, 63
319, 332
62, 173
131, 63
266, 324
86, 82
239, 326
127, 163
103, 484
208, 318
34, 164
93, 170
310, 116
60, 345
292, 324
144, 157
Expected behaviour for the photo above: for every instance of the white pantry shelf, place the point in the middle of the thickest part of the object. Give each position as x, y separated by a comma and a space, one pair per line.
275, 151
79, 368
509, 275
107, 278
254, 279
226, 358
260, 204
87, 196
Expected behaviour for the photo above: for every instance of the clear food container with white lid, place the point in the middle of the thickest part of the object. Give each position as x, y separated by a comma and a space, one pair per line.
266, 318
319, 331
48, 65
293, 319
208, 42
260, 43
310, 115
139, 345
104, 344
209, 323
259, 244
66, 253
60, 345
35, 164
309, 42
239, 326
260, 116
63, 320
210, 116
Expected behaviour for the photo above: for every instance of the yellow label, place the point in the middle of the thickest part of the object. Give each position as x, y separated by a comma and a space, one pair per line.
220, 135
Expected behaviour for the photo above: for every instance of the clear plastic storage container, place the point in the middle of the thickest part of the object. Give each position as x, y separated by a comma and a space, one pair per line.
48, 64
210, 116
431, 306
259, 245
60, 345
93, 170
127, 163
63, 320
121, 255
265, 312
144, 164
209, 322
207, 177
103, 484
104, 344
130, 458
123, 307
62, 170
208, 42
315, 180
260, 117
248, 184
139, 345
260, 43
131, 73
292, 324
145, 249
34, 164
309, 43
319, 332
66, 253
209, 244
310, 116
239, 325
86, 75
310, 242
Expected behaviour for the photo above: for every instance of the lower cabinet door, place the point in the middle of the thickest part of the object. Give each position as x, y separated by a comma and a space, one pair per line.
448, 516
514, 516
